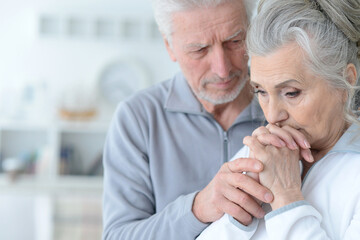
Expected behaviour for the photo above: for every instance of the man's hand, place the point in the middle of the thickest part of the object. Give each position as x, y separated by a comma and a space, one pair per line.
231, 192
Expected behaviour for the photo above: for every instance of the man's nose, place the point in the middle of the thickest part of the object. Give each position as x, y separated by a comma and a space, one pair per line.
220, 62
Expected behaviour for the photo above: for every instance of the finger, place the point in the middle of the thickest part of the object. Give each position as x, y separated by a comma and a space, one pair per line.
245, 201
250, 186
306, 154
254, 144
284, 135
236, 211
298, 136
240, 165
271, 139
259, 131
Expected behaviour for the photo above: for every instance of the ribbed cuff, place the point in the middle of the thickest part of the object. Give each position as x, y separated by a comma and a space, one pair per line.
285, 208
191, 221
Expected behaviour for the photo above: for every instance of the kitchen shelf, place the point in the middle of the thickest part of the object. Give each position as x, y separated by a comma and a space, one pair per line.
57, 155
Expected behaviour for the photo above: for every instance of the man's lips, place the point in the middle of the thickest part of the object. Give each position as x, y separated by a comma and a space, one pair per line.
224, 84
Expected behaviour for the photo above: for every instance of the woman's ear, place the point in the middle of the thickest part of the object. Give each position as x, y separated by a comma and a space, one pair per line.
351, 74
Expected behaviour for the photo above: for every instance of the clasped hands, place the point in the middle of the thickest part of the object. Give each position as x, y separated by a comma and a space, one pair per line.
273, 176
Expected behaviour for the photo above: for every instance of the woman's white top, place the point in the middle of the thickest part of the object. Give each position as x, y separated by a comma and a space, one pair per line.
331, 209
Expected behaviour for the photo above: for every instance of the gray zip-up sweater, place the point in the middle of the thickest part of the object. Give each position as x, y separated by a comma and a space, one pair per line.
162, 148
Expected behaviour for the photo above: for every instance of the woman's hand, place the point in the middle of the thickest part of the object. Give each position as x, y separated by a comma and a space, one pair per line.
284, 136
281, 173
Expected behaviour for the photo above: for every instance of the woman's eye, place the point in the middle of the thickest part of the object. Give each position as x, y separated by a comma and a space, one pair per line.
258, 91
293, 94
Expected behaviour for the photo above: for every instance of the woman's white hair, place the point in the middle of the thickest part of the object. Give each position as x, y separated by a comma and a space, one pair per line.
327, 30
164, 9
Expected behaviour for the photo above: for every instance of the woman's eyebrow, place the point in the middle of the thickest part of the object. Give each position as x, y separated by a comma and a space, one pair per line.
283, 84
254, 84
279, 85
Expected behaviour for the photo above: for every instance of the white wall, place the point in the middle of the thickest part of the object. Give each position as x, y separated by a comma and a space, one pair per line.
27, 56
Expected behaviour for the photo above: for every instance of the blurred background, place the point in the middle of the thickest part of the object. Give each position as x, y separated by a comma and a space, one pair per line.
64, 66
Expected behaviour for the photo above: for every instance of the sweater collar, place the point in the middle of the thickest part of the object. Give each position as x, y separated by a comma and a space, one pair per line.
181, 98
349, 141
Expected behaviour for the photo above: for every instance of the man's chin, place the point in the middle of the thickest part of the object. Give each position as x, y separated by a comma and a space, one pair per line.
218, 100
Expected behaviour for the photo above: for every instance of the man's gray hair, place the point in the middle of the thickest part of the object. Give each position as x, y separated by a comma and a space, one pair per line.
164, 9
328, 31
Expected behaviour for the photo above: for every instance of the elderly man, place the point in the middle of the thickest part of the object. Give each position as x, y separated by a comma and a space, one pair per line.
166, 144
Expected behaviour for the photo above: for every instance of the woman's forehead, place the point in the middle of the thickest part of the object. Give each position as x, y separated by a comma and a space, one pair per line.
284, 64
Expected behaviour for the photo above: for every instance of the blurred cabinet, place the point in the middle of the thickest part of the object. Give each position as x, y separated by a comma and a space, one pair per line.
75, 216
65, 155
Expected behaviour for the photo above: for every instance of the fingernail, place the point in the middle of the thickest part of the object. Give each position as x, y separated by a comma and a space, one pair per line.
311, 157
307, 144
268, 197
308, 156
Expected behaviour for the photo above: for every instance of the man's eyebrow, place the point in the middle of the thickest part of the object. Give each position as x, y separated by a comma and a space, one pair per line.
200, 45
194, 46
235, 34
280, 85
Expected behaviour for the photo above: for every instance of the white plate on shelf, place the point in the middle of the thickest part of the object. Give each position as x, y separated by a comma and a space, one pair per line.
121, 78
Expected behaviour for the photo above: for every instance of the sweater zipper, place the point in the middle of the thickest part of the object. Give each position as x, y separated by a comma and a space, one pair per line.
226, 147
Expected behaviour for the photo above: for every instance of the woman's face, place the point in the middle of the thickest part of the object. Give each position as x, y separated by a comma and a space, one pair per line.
290, 94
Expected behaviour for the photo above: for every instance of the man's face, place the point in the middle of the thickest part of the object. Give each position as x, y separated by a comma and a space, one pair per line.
209, 45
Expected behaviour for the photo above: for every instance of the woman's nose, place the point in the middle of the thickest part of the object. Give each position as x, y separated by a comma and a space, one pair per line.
276, 112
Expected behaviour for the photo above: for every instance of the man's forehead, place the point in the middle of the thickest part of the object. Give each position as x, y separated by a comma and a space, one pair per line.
207, 18
199, 43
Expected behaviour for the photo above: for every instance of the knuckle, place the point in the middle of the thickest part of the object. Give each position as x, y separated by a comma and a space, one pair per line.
242, 199
269, 127
217, 183
266, 137
226, 167
263, 136
250, 140
260, 130
239, 179
215, 199
246, 139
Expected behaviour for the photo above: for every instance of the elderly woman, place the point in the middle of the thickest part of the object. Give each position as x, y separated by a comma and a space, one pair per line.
304, 69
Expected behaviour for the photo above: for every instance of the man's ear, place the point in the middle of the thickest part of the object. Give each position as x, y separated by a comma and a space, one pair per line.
169, 49
351, 74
